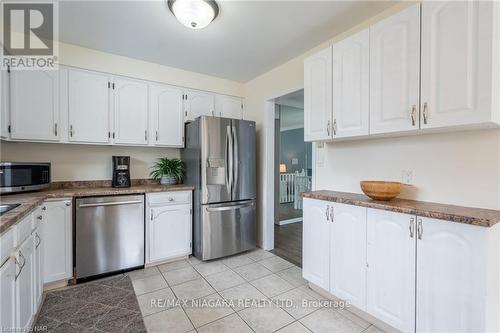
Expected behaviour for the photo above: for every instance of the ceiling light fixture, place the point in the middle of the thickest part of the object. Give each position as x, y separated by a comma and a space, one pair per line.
194, 14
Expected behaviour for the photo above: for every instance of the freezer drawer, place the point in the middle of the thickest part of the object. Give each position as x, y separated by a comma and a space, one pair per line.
109, 234
227, 229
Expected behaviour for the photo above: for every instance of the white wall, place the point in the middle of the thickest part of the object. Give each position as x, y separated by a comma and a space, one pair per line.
457, 168
80, 162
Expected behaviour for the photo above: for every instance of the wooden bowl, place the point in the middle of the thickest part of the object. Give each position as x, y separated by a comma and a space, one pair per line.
380, 190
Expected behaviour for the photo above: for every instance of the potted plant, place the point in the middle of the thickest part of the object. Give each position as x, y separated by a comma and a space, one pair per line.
168, 171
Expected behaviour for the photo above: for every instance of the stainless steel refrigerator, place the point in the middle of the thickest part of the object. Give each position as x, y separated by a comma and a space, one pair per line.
220, 164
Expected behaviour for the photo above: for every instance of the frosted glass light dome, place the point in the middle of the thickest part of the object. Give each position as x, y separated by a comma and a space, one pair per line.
194, 14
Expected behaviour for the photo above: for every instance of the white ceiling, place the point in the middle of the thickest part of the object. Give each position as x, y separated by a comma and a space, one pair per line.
247, 39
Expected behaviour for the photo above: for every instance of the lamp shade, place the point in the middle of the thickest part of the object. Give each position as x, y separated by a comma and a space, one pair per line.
282, 168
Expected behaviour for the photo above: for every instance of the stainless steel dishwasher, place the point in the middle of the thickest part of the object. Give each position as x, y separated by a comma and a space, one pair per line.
109, 234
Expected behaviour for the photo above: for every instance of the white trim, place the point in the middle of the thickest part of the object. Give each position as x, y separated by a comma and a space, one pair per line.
268, 172
289, 221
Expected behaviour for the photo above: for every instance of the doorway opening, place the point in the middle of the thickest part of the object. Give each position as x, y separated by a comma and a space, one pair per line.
292, 175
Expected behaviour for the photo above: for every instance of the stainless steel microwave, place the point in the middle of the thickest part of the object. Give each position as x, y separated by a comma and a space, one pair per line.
23, 176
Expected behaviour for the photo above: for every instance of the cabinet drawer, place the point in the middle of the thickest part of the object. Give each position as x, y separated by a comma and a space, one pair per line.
23, 229
6, 245
169, 198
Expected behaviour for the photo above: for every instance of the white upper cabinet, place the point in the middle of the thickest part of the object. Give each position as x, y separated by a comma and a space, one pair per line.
348, 253
167, 115
130, 111
228, 107
351, 78
198, 103
318, 92
34, 105
390, 279
451, 278
4, 104
460, 59
88, 106
316, 242
394, 72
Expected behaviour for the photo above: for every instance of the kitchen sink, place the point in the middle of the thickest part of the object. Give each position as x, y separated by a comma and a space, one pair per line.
7, 207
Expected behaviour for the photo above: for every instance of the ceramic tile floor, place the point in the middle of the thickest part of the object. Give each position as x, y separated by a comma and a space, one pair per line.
252, 292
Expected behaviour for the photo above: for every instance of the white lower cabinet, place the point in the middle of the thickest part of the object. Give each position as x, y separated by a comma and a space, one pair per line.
316, 242
169, 226
421, 274
453, 271
56, 235
390, 279
24, 284
7, 294
348, 253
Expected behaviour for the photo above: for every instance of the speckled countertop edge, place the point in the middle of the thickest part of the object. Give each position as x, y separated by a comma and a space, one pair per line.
31, 200
467, 215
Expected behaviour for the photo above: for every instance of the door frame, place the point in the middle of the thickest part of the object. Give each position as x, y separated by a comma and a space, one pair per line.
268, 188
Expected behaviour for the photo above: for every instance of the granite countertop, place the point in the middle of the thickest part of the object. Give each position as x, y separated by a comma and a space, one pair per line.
459, 214
31, 200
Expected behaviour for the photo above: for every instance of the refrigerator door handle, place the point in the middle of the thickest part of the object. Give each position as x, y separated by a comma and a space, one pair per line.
230, 158
232, 207
235, 161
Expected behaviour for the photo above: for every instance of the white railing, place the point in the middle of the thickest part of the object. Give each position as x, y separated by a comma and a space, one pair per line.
287, 187
291, 184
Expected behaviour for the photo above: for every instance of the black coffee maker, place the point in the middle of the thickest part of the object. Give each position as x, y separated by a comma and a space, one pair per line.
121, 171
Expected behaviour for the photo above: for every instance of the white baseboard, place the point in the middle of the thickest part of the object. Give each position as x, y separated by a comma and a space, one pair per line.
294, 220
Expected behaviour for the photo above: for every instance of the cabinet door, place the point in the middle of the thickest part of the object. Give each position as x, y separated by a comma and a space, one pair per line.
7, 294
318, 96
130, 112
228, 107
88, 106
390, 279
37, 269
34, 105
56, 235
199, 103
394, 72
166, 104
456, 62
348, 253
316, 243
351, 80
450, 277
4, 105
169, 232
24, 284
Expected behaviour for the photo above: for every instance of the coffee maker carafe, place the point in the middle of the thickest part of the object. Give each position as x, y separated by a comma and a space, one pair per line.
121, 171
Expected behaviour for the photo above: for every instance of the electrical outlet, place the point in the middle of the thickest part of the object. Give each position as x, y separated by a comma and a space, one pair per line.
407, 177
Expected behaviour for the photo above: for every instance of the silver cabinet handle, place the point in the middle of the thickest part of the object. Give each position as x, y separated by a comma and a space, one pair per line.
44, 208
335, 126
328, 128
146, 135
331, 213
420, 229
40, 217
156, 135
426, 113
327, 212
68, 203
413, 115
130, 202
71, 130
55, 129
412, 227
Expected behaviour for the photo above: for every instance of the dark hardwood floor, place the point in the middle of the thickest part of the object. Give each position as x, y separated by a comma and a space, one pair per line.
288, 242
286, 212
